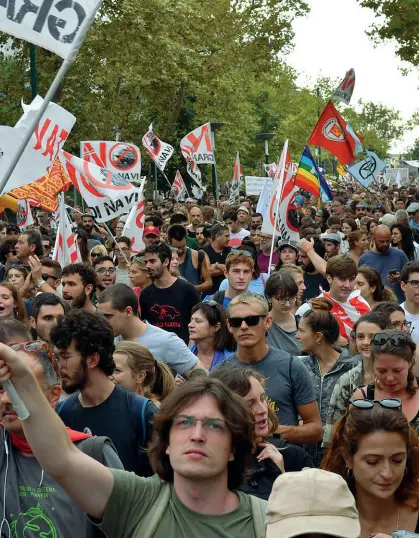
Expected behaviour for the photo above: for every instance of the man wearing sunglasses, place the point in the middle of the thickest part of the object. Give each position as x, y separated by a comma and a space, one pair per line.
288, 383
30, 492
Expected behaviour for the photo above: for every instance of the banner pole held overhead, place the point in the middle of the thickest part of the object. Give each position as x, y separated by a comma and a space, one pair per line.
65, 66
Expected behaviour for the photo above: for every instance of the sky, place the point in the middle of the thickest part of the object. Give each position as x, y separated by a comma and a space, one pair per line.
331, 39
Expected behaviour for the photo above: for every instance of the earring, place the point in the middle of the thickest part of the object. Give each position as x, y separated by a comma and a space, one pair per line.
405, 471
349, 473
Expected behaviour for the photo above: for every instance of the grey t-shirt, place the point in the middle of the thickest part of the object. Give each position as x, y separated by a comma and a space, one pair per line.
284, 340
35, 504
166, 347
287, 383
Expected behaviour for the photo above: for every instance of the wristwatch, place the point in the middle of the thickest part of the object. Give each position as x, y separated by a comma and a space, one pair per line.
40, 284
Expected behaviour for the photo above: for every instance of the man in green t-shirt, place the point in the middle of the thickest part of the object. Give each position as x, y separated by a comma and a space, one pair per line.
203, 437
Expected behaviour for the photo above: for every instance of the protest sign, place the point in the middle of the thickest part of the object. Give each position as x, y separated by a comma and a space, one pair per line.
118, 157
160, 152
254, 185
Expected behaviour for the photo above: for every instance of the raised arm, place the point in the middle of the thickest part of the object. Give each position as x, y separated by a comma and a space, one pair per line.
86, 481
308, 248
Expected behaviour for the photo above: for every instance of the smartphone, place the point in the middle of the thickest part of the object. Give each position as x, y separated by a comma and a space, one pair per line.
393, 272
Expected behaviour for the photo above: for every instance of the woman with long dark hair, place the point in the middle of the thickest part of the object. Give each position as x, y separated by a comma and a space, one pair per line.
369, 282
402, 238
81, 236
377, 453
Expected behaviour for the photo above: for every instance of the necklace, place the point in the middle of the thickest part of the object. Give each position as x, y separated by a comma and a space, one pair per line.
397, 525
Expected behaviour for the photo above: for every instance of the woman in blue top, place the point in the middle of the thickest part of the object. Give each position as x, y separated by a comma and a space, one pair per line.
257, 284
213, 343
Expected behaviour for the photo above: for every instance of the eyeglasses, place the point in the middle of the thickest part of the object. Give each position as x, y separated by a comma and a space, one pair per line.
106, 271
397, 340
413, 283
285, 300
387, 403
238, 251
400, 325
35, 347
251, 321
184, 422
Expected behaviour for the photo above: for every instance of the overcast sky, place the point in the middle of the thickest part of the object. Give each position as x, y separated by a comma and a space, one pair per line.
332, 39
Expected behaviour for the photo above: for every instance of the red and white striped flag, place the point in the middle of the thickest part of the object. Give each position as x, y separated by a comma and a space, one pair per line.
178, 191
134, 225
66, 250
234, 197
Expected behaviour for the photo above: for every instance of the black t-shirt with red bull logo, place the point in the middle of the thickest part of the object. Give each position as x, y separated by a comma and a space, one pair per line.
170, 308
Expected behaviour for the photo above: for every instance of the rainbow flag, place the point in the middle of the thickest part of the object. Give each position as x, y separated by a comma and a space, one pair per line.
307, 176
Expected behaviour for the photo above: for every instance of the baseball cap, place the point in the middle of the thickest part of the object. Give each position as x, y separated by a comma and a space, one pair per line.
299, 199
413, 208
361, 204
243, 208
311, 501
151, 230
332, 237
389, 219
284, 243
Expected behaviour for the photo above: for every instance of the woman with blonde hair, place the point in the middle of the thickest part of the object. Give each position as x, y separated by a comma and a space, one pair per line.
96, 251
137, 370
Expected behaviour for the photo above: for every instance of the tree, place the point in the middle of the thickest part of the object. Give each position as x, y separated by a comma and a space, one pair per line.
399, 21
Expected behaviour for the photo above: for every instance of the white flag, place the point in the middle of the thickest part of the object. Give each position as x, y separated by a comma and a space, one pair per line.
196, 148
160, 152
121, 158
234, 197
57, 26
345, 89
398, 179
134, 225
106, 193
24, 216
66, 250
263, 202
39, 155
178, 191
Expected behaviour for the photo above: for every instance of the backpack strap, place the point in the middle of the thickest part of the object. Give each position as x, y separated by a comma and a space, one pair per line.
258, 507
148, 525
218, 297
93, 447
364, 394
139, 404
64, 408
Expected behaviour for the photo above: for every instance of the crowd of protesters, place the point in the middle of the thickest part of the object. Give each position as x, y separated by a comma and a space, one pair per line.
252, 385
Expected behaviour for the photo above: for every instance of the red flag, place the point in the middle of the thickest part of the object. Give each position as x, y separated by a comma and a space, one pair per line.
334, 134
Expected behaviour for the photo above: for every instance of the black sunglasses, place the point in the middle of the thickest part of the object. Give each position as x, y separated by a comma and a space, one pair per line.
388, 403
398, 339
94, 254
45, 276
251, 321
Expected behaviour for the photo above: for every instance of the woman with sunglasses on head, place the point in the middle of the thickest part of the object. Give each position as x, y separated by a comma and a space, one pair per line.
360, 374
271, 456
317, 334
95, 252
377, 453
281, 293
393, 357
368, 282
258, 282
213, 343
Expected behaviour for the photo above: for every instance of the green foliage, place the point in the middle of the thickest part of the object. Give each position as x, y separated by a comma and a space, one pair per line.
398, 21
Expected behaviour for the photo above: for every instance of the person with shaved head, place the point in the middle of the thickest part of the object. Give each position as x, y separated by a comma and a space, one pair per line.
386, 260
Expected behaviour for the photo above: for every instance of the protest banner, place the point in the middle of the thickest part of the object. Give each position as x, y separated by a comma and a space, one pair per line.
367, 170
46, 141
234, 196
66, 250
134, 225
178, 190
19, 24
254, 185
118, 157
390, 175
345, 89
24, 216
197, 148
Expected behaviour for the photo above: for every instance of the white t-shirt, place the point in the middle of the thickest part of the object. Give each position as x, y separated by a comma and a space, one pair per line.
414, 320
239, 235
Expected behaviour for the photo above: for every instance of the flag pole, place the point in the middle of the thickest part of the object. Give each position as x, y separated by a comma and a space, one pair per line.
279, 194
166, 178
65, 66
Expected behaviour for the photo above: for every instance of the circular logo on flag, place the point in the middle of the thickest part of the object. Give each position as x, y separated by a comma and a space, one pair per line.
333, 131
123, 157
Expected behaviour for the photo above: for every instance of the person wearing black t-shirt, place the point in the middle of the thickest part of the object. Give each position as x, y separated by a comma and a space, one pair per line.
167, 302
84, 345
217, 254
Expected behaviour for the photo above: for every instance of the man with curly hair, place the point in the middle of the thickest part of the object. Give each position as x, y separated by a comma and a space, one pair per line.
84, 345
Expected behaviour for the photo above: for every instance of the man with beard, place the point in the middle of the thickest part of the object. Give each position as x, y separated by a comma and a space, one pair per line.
314, 277
88, 223
386, 260
84, 345
203, 235
29, 244
19, 469
105, 273
47, 309
167, 302
79, 286
195, 217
